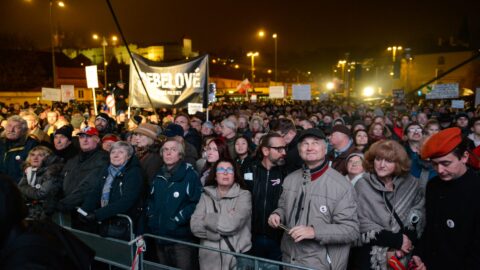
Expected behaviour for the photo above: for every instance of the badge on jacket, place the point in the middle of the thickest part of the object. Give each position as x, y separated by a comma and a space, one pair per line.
176, 194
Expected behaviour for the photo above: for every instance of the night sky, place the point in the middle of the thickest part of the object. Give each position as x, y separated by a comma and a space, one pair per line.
224, 25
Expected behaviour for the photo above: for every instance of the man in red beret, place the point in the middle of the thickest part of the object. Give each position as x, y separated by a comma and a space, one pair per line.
451, 239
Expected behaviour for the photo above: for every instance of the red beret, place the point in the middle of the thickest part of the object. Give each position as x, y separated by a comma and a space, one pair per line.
441, 143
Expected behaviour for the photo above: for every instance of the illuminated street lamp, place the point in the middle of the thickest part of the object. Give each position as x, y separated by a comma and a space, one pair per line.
330, 85
104, 45
52, 37
394, 50
368, 91
261, 34
252, 55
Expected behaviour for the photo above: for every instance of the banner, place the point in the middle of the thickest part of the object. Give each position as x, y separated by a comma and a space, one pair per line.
441, 91
68, 92
301, 92
168, 85
52, 94
92, 76
276, 92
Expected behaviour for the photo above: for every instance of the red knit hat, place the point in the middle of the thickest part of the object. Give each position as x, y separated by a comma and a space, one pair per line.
110, 137
441, 143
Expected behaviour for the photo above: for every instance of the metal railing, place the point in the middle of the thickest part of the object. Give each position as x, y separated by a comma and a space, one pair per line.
121, 254
248, 262
111, 251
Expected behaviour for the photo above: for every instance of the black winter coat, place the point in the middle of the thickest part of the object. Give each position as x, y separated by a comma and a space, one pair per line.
125, 193
80, 177
13, 154
47, 185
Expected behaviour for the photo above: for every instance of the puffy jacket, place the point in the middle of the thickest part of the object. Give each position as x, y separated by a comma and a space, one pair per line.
125, 193
172, 200
231, 219
328, 205
13, 154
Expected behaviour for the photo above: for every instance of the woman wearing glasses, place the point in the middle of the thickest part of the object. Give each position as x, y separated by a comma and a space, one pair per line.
222, 218
390, 207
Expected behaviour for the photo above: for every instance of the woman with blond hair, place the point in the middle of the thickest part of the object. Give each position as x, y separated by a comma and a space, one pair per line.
390, 207
41, 180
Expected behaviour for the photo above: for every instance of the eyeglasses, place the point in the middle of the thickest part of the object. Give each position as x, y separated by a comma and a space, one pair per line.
279, 148
225, 170
414, 130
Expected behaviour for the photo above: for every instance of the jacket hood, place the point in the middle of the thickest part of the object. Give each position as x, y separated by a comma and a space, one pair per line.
234, 192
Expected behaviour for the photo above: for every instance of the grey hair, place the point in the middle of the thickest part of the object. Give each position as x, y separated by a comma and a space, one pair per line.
180, 146
19, 119
123, 145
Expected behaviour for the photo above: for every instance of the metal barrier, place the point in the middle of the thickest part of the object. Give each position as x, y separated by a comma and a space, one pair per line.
114, 252
255, 263
122, 254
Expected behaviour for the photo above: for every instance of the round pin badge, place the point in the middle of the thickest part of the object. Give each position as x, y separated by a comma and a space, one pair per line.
450, 223
323, 209
38, 186
176, 194
17, 157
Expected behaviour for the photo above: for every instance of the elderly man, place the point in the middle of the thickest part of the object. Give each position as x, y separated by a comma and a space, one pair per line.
14, 147
34, 130
229, 132
175, 131
81, 172
175, 192
317, 210
342, 144
451, 239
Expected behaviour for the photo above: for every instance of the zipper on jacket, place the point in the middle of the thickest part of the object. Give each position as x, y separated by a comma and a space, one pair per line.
265, 201
308, 211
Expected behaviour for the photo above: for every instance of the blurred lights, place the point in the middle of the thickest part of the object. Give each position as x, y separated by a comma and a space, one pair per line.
237, 66
368, 91
261, 33
330, 86
269, 71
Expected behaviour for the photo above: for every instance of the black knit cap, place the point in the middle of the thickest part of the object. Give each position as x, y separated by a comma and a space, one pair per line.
65, 131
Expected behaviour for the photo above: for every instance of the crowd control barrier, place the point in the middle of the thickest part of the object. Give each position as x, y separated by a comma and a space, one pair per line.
129, 254
244, 262
114, 252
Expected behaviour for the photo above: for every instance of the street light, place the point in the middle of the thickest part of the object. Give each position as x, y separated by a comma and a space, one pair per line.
252, 55
52, 37
104, 45
394, 50
261, 34
275, 37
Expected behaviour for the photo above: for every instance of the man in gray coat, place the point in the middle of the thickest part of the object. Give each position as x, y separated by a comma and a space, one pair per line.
317, 210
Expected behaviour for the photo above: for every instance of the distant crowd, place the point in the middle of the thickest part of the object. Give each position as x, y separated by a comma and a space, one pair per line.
325, 185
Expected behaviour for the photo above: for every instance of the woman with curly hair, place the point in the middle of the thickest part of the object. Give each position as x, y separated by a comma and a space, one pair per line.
390, 207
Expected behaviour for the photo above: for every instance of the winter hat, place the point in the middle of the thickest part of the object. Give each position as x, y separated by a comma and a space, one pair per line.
343, 129
65, 131
149, 130
441, 143
110, 137
173, 130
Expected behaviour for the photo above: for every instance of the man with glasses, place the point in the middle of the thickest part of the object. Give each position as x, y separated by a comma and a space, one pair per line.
266, 177
317, 210
451, 238
413, 137
175, 192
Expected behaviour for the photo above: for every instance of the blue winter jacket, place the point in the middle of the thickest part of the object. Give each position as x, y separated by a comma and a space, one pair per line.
173, 197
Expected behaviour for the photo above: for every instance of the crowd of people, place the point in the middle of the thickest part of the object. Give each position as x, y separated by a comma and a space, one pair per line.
317, 184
